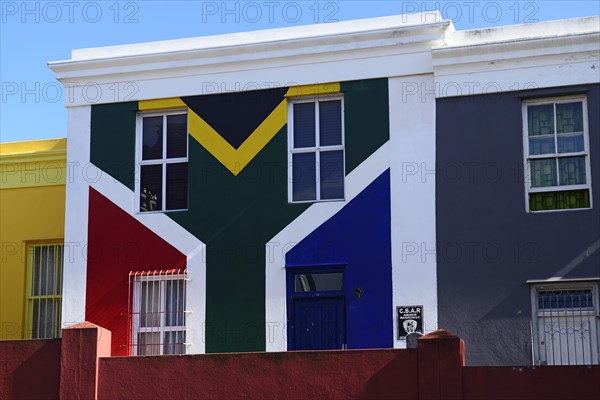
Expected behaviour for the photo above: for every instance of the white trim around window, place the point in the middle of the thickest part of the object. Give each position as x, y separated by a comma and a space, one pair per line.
552, 155
164, 160
565, 324
318, 149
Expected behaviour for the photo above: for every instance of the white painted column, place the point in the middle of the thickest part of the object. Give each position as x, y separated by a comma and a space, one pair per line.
76, 216
412, 150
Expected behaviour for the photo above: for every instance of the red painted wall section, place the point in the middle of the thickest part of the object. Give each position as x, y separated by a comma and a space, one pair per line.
29, 369
547, 383
350, 374
118, 244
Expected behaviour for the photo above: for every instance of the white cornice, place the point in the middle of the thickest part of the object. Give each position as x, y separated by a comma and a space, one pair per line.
554, 53
361, 49
222, 50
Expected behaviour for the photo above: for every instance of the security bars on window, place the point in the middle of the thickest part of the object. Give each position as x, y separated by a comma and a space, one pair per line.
44, 290
316, 143
557, 154
163, 161
566, 330
157, 312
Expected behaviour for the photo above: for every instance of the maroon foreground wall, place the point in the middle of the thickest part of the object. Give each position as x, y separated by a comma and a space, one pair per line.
29, 369
376, 374
79, 366
547, 383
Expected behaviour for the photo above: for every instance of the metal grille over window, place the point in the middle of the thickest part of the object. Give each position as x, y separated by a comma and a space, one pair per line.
44, 290
157, 312
567, 326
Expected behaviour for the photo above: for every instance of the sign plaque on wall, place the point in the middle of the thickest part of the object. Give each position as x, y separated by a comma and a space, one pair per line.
410, 320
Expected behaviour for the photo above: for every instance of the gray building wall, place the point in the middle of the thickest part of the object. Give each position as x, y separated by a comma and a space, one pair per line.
488, 245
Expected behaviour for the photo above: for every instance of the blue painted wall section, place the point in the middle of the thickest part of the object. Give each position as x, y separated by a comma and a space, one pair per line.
359, 237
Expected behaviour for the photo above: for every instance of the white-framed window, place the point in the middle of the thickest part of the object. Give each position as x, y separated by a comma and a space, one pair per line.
162, 161
316, 149
158, 313
44, 290
557, 157
565, 323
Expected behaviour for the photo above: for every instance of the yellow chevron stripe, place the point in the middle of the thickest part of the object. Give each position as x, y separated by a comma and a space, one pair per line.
313, 90
236, 159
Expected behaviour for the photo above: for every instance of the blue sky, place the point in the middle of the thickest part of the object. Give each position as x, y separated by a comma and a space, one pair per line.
35, 32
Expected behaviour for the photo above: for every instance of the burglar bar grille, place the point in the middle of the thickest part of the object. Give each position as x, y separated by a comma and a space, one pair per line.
567, 327
44, 290
157, 312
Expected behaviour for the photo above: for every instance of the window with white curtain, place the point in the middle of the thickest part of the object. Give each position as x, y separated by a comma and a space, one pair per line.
158, 312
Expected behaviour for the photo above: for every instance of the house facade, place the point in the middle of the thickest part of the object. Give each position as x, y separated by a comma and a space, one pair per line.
518, 225
32, 209
280, 190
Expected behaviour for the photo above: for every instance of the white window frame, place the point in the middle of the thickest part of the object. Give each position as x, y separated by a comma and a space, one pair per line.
317, 149
585, 153
135, 311
583, 284
159, 161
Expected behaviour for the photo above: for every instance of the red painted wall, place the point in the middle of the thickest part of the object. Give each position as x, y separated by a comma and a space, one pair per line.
548, 383
375, 374
434, 371
118, 244
29, 369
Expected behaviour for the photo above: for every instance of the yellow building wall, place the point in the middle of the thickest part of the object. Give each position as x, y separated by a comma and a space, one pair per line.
32, 208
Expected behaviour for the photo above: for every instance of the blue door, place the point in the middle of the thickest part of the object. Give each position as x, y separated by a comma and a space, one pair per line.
317, 311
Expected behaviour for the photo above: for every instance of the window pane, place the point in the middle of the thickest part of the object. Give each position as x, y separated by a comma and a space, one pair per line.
318, 282
570, 142
572, 170
43, 319
151, 188
47, 287
148, 343
554, 299
150, 304
36, 267
35, 320
332, 174
177, 186
175, 302
330, 123
543, 173
559, 200
541, 129
540, 120
569, 117
177, 136
152, 138
304, 125
174, 342
541, 145
304, 177
43, 271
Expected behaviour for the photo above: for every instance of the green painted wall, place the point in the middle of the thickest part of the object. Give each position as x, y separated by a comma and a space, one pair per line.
113, 140
367, 122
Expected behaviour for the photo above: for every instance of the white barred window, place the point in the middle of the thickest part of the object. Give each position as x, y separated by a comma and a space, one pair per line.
44, 290
157, 306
